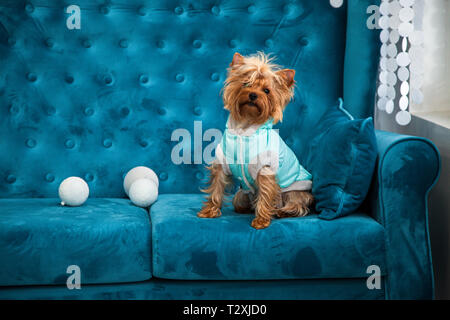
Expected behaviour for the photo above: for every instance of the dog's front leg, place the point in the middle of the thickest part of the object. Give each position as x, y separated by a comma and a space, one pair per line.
216, 190
268, 194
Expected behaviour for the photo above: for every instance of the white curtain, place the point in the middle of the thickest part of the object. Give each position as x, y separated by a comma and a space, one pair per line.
436, 79
414, 58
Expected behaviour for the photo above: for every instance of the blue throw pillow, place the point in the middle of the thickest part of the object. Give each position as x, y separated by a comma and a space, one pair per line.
342, 160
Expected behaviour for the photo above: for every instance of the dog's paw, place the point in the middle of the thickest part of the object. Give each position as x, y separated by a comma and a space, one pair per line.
259, 223
209, 212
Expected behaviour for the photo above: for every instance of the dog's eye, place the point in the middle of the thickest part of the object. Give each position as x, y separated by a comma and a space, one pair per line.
246, 84
267, 91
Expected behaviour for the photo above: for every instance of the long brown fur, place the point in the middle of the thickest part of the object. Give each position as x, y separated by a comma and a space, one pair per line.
267, 198
216, 191
274, 88
295, 204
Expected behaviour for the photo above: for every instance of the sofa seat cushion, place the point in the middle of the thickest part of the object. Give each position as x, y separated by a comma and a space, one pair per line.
227, 247
108, 239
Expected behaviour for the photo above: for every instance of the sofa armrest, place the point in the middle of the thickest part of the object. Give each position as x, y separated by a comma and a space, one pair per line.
407, 168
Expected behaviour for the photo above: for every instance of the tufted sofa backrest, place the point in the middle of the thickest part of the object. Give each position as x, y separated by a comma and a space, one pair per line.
94, 102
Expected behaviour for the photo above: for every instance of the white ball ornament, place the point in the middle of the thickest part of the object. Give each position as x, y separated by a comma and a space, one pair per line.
336, 3
73, 192
139, 173
143, 192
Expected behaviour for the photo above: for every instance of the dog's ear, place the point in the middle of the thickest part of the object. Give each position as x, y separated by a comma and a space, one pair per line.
287, 75
237, 59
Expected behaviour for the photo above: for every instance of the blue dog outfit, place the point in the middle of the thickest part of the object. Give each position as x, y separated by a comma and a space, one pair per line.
243, 152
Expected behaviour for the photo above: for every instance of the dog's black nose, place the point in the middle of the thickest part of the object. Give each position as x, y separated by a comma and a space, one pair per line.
253, 96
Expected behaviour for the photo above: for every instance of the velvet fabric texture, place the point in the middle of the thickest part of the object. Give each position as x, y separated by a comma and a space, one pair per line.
116, 89
109, 239
228, 248
341, 158
407, 169
155, 289
98, 101
362, 45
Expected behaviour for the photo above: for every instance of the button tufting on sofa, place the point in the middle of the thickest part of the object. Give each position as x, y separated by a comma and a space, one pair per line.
107, 143
143, 143
197, 111
104, 9
29, 7
160, 44
14, 109
143, 79
49, 42
69, 79
10, 178
98, 101
197, 44
251, 8
178, 10
142, 10
49, 177
31, 76
199, 175
88, 111
88, 177
215, 76
123, 43
303, 41
69, 144
179, 77
50, 110
290, 141
108, 79
86, 43
288, 8
163, 176
30, 143
268, 43
125, 111
215, 10
161, 111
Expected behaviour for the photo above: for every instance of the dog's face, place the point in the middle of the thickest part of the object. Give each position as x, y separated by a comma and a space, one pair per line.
257, 90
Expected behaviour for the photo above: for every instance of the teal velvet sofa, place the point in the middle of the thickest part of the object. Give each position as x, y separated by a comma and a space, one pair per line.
96, 90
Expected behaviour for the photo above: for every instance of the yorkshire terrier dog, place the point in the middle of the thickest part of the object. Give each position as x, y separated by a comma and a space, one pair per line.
272, 181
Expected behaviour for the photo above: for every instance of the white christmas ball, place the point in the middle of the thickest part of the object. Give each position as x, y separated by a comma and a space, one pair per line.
143, 192
336, 3
139, 173
73, 191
